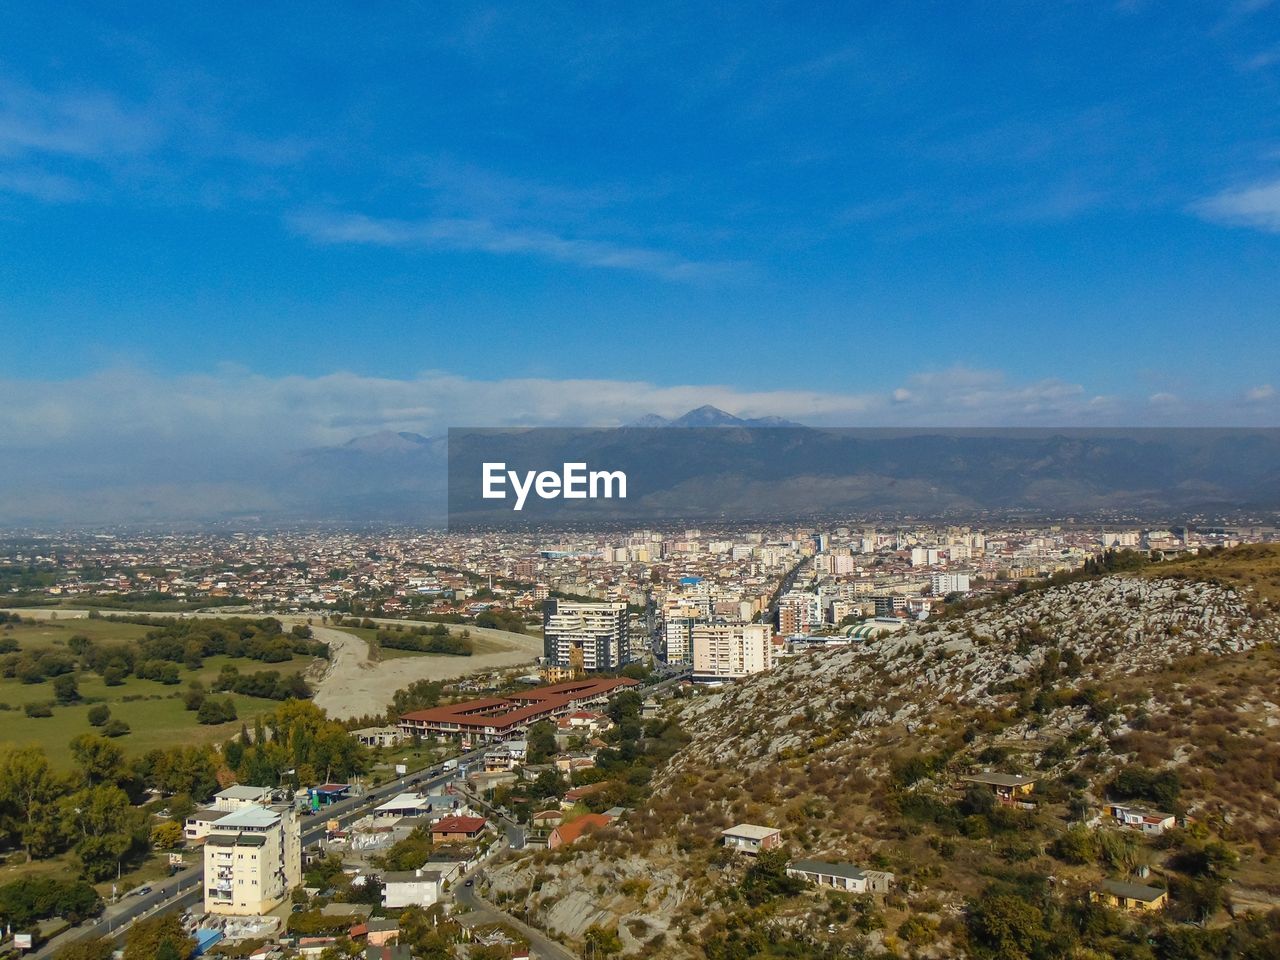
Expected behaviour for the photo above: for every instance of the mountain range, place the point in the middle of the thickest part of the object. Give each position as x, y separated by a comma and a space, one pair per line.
706, 464
709, 416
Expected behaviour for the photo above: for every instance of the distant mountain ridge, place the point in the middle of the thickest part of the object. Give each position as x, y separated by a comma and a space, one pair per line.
710, 464
388, 441
710, 416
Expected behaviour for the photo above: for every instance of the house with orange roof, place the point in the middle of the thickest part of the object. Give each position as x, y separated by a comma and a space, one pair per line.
574, 830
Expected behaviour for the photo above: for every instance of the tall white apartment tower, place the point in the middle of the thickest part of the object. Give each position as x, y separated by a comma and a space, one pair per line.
252, 860
588, 636
725, 651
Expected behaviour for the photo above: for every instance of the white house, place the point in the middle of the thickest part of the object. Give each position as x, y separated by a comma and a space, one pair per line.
751, 838
1151, 822
418, 888
240, 795
198, 822
841, 876
433, 806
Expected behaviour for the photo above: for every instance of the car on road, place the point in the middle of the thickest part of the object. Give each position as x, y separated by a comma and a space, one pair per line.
469, 882
140, 891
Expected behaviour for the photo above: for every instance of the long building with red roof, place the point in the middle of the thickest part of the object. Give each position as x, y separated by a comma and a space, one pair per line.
496, 718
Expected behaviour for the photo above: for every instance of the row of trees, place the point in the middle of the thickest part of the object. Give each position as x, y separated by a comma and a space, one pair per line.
189, 642
433, 639
24, 902
268, 684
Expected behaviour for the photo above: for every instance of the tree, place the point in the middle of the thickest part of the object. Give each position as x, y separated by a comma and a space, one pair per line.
193, 699
79, 644
99, 760
216, 710
190, 771
148, 936
110, 829
1214, 859
598, 941
637, 671
29, 789
92, 948
1197, 898
978, 800
99, 714
1004, 926
767, 878
1138, 783
541, 742
66, 689
116, 728
167, 835
24, 902
420, 929
1079, 845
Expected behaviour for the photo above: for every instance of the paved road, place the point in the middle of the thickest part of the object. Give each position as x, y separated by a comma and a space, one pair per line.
185, 889
544, 948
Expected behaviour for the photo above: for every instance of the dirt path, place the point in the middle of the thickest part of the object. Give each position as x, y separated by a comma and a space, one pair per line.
354, 685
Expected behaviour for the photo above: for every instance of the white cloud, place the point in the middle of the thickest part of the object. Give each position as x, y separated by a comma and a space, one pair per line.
127, 443
236, 409
1257, 206
85, 124
1260, 393
476, 234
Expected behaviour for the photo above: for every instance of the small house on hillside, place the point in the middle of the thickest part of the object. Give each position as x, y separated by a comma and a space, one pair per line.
841, 876
751, 838
1151, 822
1129, 896
575, 794
1006, 787
412, 888
575, 829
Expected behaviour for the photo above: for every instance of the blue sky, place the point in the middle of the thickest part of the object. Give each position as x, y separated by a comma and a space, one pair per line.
404, 216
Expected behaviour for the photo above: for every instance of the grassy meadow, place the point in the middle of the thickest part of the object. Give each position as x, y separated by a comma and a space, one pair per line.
154, 711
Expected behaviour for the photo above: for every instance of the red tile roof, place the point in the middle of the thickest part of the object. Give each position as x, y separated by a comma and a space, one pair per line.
577, 793
467, 825
502, 713
571, 831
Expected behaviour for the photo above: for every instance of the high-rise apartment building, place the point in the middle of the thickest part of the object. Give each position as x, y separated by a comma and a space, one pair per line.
724, 651
799, 612
944, 583
252, 860
585, 636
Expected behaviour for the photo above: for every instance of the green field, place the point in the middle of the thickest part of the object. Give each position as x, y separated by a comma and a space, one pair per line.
154, 711
42, 634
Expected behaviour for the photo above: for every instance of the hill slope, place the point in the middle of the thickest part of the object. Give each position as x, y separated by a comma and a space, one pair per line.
1156, 689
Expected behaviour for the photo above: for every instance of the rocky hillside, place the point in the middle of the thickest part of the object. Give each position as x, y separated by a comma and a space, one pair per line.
1093, 630
1156, 689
